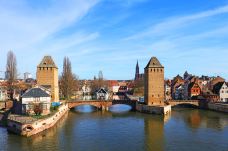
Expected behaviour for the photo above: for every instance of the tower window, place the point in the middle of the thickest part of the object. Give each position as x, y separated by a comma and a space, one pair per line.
151, 70
154, 70
161, 70
47, 68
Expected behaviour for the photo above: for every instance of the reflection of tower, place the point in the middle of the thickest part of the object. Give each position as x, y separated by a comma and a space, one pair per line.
137, 71
154, 133
154, 83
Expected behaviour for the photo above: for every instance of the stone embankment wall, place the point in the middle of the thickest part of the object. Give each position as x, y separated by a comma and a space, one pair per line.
153, 109
221, 107
32, 128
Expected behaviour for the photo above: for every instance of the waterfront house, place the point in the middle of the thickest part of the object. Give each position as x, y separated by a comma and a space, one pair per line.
174, 83
210, 96
193, 89
179, 94
168, 90
36, 97
102, 94
221, 89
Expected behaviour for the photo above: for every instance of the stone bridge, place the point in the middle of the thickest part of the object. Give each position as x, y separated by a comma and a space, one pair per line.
102, 104
195, 103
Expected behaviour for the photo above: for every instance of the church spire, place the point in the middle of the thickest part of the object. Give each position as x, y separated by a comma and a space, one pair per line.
137, 71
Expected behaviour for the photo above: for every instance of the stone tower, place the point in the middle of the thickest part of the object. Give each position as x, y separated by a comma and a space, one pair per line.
154, 83
47, 76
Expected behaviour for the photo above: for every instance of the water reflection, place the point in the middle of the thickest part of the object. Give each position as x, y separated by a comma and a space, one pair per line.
120, 108
102, 130
85, 109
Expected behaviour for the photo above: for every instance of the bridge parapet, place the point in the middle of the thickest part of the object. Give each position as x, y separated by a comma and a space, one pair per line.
184, 102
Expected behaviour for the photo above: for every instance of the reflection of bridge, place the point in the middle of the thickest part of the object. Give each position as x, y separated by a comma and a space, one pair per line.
102, 104
184, 102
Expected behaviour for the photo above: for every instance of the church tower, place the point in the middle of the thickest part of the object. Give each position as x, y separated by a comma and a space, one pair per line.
137, 71
154, 83
47, 76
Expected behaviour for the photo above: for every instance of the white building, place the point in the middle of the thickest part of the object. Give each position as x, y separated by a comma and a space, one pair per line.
221, 89
223, 93
27, 75
36, 96
3, 93
101, 94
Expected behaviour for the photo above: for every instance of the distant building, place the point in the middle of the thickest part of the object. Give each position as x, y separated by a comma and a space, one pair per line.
3, 93
27, 75
138, 76
168, 90
178, 80
193, 90
102, 94
47, 76
221, 89
179, 94
36, 96
7, 75
154, 93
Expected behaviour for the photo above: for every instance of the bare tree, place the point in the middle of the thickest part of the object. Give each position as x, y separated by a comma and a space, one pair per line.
98, 83
68, 80
11, 71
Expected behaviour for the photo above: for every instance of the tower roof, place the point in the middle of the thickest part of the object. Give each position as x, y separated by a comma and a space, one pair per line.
47, 61
154, 63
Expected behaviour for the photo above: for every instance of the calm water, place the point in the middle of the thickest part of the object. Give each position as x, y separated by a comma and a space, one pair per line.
184, 130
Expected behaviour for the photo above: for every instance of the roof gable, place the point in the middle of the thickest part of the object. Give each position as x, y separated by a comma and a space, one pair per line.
35, 93
154, 63
47, 61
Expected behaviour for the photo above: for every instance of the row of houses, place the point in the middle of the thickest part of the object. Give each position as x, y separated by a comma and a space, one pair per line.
188, 87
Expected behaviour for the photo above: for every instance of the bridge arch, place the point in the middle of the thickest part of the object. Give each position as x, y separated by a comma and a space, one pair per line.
190, 103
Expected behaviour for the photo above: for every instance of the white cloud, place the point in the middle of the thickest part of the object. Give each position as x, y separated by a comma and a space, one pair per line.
23, 26
173, 23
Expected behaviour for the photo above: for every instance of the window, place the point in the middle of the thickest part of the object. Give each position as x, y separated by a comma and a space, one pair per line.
154, 70
151, 70
161, 70
222, 91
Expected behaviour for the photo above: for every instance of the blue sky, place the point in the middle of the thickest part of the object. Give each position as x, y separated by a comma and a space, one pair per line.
110, 35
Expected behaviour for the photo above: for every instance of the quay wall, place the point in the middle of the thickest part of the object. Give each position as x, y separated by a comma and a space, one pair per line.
153, 109
31, 128
221, 107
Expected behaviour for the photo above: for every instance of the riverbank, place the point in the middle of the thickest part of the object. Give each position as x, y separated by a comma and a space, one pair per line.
28, 126
220, 107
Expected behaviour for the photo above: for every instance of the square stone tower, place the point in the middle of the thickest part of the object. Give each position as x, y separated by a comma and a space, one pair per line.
154, 83
47, 76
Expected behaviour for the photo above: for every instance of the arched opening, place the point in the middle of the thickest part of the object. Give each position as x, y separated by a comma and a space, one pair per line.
85, 108
119, 108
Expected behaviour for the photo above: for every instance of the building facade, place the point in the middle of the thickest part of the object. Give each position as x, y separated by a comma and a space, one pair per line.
154, 83
47, 76
36, 96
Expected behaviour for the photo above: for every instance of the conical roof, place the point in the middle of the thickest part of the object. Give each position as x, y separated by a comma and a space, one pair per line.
47, 61
154, 63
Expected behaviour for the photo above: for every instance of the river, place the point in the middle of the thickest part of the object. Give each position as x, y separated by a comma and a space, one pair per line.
84, 129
